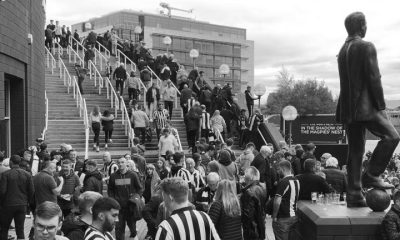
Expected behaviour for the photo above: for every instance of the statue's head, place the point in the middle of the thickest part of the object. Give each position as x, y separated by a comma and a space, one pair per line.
356, 24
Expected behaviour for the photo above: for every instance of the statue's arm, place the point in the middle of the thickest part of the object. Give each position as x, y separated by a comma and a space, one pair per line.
374, 77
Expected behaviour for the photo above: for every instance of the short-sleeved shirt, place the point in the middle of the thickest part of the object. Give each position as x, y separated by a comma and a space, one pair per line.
288, 188
44, 184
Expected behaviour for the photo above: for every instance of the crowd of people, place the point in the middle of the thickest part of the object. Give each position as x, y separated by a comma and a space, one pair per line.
57, 33
212, 192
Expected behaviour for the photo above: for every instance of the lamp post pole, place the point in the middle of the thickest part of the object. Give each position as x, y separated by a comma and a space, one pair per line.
167, 41
224, 70
289, 113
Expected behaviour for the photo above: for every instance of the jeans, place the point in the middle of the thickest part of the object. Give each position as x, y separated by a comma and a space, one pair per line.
7, 215
250, 108
108, 135
284, 228
169, 105
152, 107
191, 138
119, 86
141, 131
125, 218
96, 131
133, 93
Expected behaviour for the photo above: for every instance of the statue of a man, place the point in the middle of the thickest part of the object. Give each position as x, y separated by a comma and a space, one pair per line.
361, 106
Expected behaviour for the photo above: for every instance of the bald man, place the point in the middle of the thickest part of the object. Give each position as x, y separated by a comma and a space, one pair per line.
205, 195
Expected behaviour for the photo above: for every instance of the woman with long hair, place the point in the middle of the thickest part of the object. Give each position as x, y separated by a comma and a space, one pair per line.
161, 168
108, 126
225, 211
94, 119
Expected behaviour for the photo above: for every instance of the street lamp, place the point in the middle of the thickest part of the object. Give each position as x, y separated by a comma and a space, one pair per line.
167, 41
137, 31
194, 53
289, 113
259, 91
224, 69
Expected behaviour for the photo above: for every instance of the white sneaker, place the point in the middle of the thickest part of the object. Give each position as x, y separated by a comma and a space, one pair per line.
106, 146
110, 140
94, 146
97, 149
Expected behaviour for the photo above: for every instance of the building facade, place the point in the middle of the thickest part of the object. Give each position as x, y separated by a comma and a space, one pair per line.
22, 73
216, 44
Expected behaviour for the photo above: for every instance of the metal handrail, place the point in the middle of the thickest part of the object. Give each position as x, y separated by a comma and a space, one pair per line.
262, 136
127, 123
177, 138
106, 51
96, 74
78, 43
126, 59
76, 55
98, 54
59, 48
53, 60
112, 94
46, 100
64, 73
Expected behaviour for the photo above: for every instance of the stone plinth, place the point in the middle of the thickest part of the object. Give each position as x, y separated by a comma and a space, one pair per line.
337, 222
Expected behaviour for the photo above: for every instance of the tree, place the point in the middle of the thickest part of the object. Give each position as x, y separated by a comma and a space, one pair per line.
308, 96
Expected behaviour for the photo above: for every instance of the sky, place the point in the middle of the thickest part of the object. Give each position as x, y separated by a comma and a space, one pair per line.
302, 36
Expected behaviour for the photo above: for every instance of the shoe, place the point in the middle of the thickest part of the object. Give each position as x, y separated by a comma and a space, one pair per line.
94, 146
369, 181
355, 200
106, 146
110, 140
97, 149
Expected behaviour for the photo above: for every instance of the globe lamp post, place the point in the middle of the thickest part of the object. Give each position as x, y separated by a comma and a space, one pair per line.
137, 31
167, 41
259, 91
289, 113
194, 54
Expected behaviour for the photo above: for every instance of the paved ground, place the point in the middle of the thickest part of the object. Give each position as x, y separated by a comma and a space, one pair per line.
142, 229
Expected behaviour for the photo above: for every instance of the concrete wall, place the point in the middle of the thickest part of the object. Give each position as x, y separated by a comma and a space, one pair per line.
24, 61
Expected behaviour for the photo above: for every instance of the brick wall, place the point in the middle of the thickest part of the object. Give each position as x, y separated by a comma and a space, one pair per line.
18, 18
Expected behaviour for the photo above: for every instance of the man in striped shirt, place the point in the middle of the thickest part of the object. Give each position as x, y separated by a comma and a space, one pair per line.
160, 117
184, 222
284, 217
205, 123
105, 214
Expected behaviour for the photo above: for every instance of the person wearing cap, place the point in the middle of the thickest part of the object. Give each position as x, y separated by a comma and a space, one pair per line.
120, 76
16, 191
250, 100
169, 97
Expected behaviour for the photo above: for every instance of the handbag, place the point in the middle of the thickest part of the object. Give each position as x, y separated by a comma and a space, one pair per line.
136, 205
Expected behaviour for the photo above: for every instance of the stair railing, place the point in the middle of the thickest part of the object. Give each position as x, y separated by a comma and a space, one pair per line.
159, 83
46, 101
64, 73
77, 43
111, 94
72, 52
105, 50
95, 74
125, 60
50, 60
101, 57
127, 123
59, 48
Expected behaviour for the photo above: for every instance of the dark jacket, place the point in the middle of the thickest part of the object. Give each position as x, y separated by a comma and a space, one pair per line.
192, 120
390, 229
249, 98
150, 210
186, 94
361, 93
311, 182
108, 123
120, 73
149, 95
253, 213
121, 186
262, 165
16, 187
93, 181
336, 178
73, 228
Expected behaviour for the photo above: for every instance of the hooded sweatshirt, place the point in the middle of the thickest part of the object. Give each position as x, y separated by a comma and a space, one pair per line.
93, 182
123, 185
73, 227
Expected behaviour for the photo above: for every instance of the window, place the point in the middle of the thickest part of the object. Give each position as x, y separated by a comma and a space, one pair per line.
237, 62
236, 74
223, 49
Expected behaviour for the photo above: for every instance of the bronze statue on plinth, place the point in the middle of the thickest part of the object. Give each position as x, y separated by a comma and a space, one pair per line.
361, 106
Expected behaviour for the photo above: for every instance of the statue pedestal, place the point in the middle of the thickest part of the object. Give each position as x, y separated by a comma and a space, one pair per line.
334, 222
